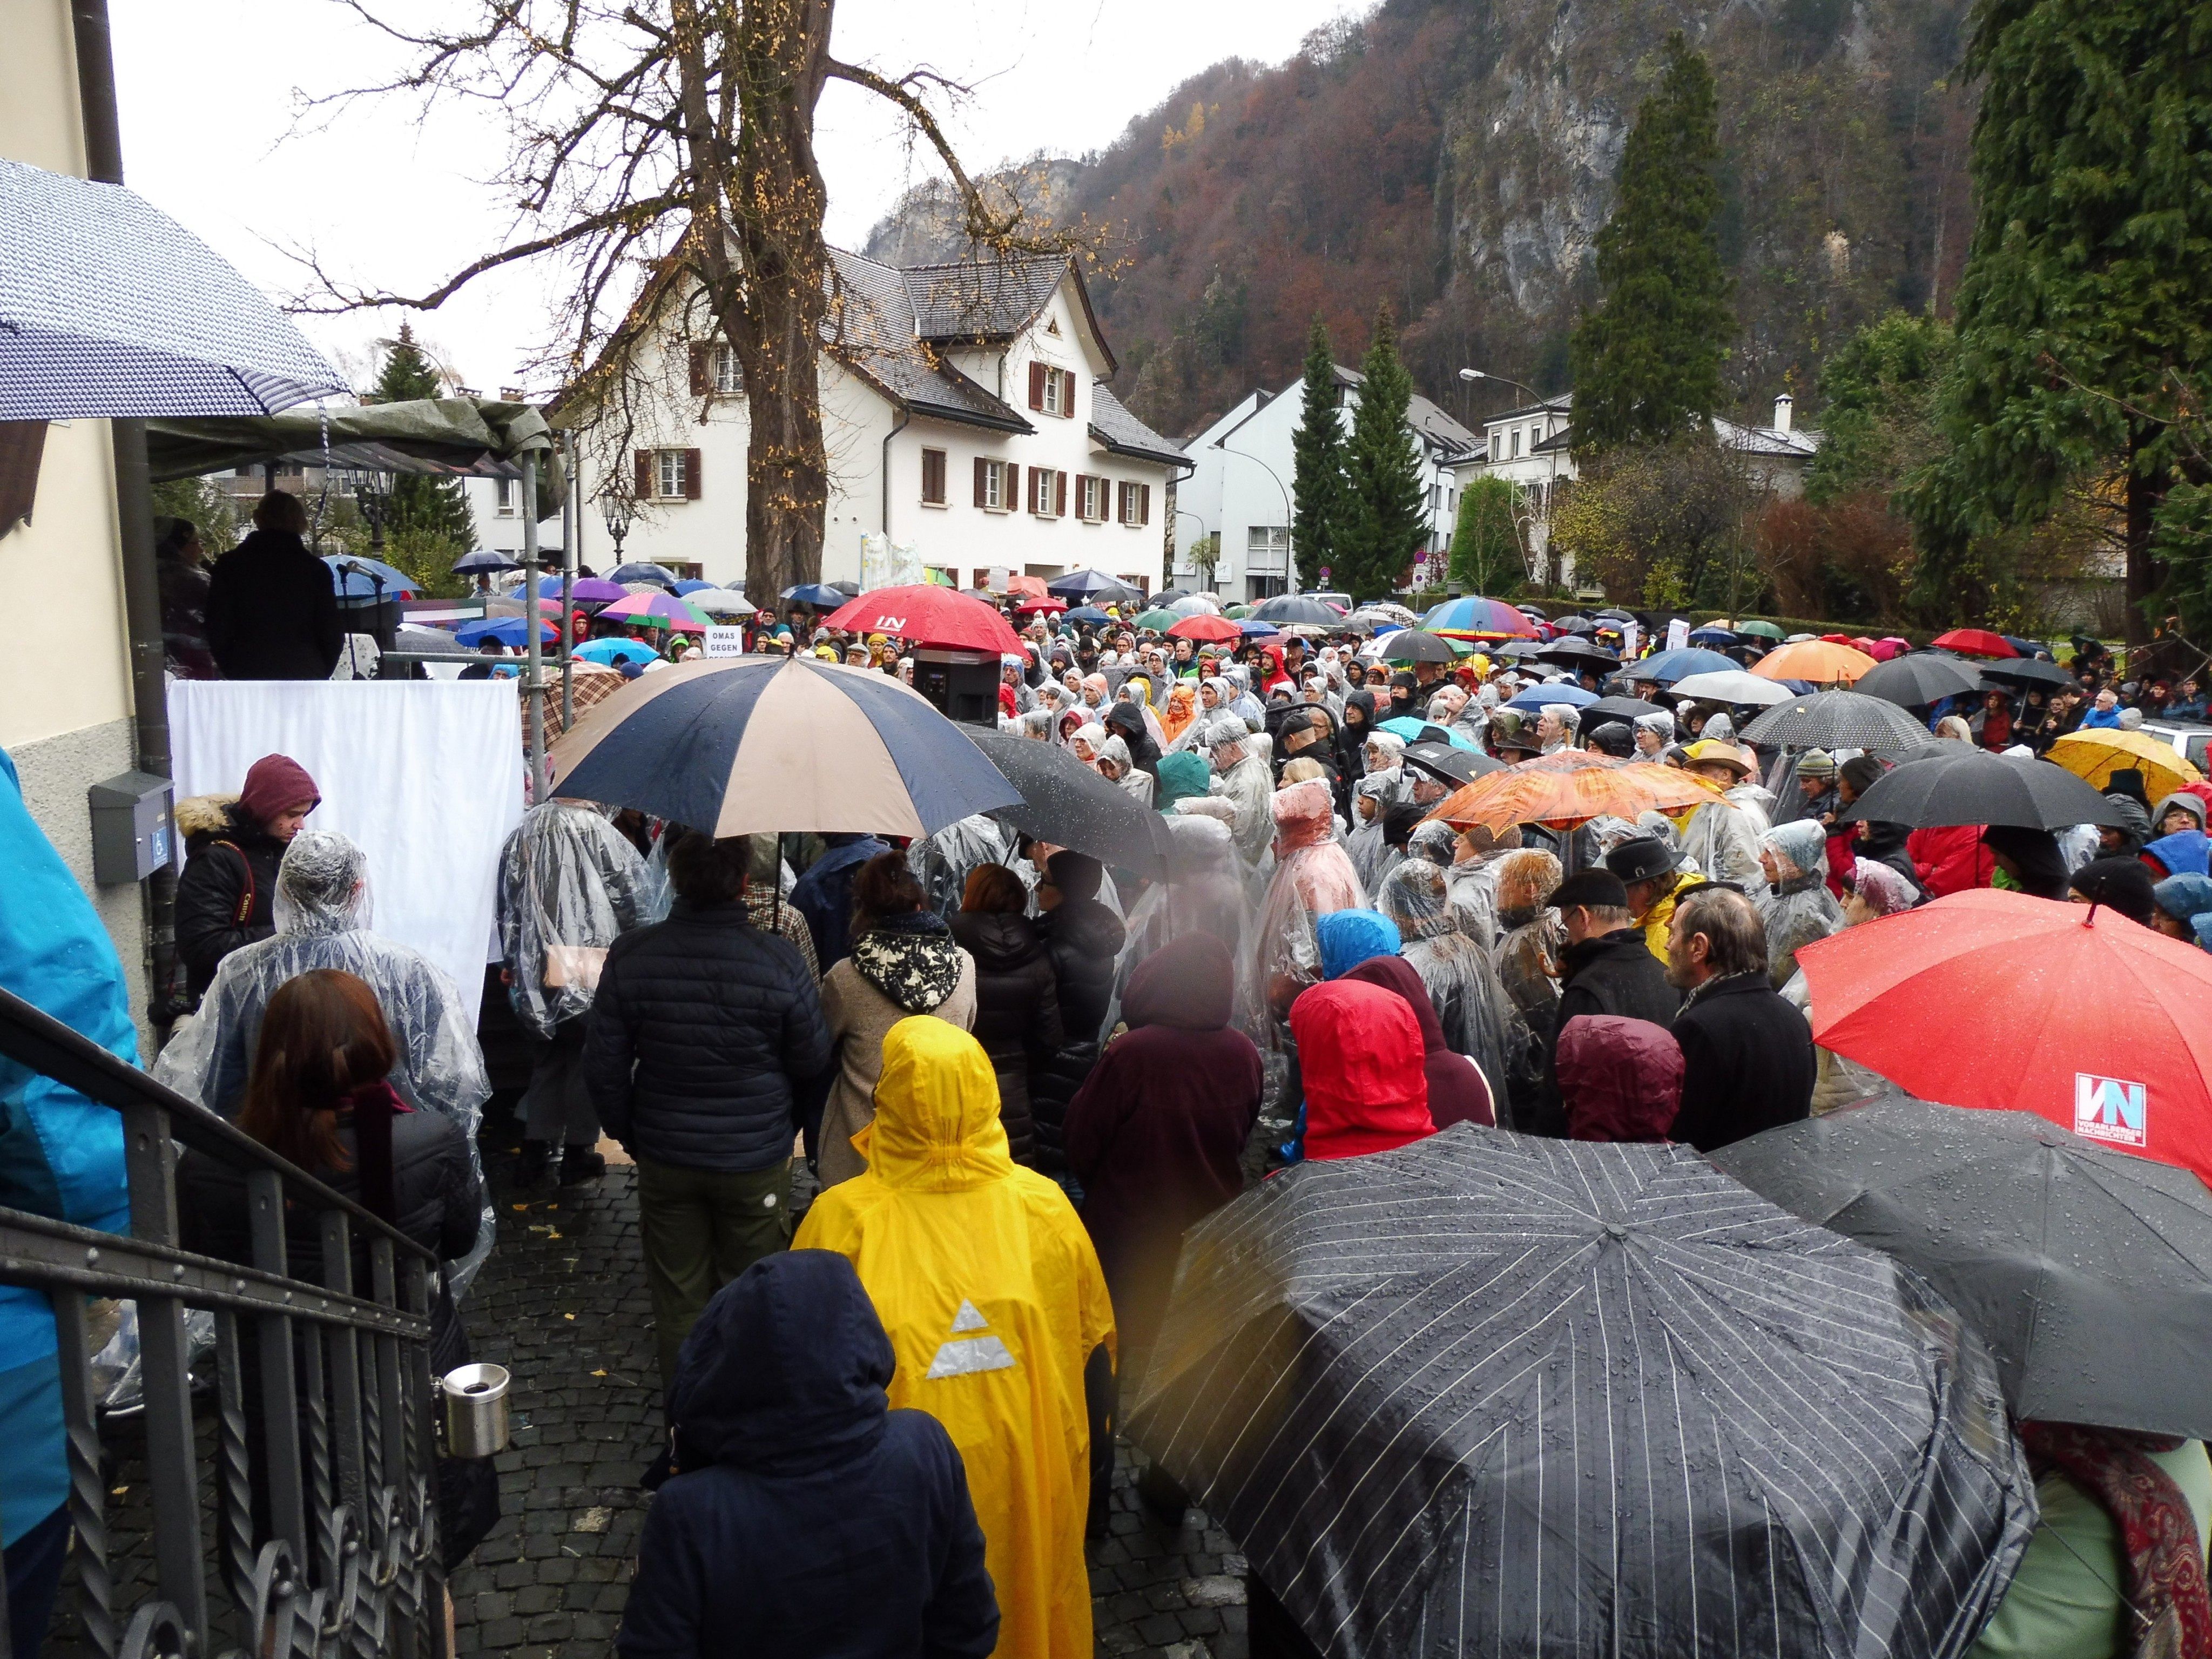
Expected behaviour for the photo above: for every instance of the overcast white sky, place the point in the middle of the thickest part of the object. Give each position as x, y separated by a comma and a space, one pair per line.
208, 90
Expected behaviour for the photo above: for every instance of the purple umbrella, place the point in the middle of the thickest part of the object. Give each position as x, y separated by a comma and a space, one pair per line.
588, 590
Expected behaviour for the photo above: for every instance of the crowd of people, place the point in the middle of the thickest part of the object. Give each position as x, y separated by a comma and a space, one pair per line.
919, 1128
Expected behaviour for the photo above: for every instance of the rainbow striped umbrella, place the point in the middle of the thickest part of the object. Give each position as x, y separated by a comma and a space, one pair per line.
660, 610
1478, 618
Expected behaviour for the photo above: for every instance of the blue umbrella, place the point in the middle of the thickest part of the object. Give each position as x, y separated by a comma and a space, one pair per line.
355, 578
611, 651
1413, 729
643, 570
683, 587
1258, 631
1714, 636
1553, 691
760, 745
483, 559
1086, 613
1668, 666
814, 593
507, 630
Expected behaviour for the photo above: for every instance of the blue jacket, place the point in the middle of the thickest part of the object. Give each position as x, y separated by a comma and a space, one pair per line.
824, 896
806, 1519
60, 1155
2094, 717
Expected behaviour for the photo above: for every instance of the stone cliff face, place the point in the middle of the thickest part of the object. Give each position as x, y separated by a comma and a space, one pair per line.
1456, 158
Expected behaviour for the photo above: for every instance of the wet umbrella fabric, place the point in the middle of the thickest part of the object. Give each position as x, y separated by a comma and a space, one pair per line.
1617, 708
1297, 607
1975, 642
746, 745
586, 590
1065, 803
643, 570
1917, 680
1732, 686
1447, 761
357, 578
1094, 586
507, 630
928, 615
1412, 645
1565, 691
1668, 666
2089, 1274
813, 594
484, 560
2028, 671
1837, 720
1493, 1394
1967, 786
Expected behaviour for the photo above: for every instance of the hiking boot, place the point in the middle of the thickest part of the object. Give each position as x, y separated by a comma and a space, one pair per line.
579, 1163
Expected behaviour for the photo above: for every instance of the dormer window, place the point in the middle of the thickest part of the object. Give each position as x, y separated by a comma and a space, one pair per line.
1052, 390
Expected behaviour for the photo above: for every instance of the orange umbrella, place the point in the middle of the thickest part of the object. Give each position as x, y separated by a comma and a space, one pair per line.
1560, 795
1817, 662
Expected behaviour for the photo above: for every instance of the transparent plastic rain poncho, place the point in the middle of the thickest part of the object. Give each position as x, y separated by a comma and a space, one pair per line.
1797, 906
1531, 937
1462, 982
1313, 878
1241, 777
567, 876
1722, 839
1366, 845
1203, 893
322, 914
943, 862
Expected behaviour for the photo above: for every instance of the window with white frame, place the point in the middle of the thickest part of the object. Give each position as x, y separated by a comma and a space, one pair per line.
670, 474
729, 377
1092, 498
996, 484
510, 493
1264, 540
1136, 504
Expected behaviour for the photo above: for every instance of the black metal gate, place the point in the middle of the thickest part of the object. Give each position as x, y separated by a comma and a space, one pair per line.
341, 1451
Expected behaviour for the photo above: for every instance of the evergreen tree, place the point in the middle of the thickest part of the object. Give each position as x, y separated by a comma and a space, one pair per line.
1647, 360
428, 514
1317, 485
2084, 324
1486, 546
1386, 513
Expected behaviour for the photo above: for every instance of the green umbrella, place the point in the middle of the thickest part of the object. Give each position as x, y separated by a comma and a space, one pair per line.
1764, 631
1237, 612
1158, 621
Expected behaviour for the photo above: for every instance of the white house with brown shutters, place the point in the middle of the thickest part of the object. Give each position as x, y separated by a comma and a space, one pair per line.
965, 413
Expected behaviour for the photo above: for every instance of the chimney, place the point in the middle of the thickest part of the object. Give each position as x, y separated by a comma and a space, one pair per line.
1782, 408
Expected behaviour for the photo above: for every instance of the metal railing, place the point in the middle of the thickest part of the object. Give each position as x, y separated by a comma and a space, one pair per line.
341, 1450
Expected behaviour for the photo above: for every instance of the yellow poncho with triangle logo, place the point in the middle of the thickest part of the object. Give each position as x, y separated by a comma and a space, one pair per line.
993, 1299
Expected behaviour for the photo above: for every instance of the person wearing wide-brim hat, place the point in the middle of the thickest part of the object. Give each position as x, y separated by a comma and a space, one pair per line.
1652, 872
1722, 761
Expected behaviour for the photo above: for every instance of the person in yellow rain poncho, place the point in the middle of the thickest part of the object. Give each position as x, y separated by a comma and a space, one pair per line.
995, 1304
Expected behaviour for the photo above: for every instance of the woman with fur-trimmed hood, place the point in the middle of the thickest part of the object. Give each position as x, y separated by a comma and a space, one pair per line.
232, 845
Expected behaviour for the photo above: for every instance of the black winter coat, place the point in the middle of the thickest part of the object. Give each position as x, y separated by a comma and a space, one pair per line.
439, 1204
1613, 973
225, 895
1017, 1011
1747, 1061
804, 1518
703, 1031
1085, 939
271, 611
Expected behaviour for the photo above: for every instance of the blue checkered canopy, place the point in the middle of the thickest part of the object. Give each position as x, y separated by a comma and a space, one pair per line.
110, 307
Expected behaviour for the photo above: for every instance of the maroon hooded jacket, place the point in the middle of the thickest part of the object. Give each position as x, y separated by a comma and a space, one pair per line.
1458, 1092
1619, 1078
1156, 1134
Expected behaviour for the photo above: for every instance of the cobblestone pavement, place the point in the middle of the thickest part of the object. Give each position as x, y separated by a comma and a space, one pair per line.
563, 1305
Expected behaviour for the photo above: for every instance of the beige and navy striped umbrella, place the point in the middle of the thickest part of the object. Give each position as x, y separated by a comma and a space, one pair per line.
1496, 1394
759, 745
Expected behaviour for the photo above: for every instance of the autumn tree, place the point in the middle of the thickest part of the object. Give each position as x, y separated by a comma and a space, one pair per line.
1647, 359
663, 150
1317, 484
1386, 510
1486, 546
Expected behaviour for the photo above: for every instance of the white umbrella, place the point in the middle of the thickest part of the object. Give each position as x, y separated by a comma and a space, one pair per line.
1196, 605
718, 602
1732, 686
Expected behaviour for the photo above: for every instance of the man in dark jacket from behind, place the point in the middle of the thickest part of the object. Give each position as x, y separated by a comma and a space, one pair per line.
1017, 1001
225, 895
804, 1517
1607, 968
824, 896
1085, 940
703, 1033
1747, 1060
272, 613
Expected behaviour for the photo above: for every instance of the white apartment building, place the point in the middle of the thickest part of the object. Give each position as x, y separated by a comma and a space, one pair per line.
966, 418
1241, 486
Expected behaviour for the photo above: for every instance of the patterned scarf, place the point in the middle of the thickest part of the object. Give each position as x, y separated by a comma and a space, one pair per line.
2166, 1597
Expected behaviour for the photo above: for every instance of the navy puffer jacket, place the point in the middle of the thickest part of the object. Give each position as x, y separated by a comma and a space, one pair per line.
703, 1031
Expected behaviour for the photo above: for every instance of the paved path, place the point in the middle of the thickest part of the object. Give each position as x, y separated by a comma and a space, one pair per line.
563, 1304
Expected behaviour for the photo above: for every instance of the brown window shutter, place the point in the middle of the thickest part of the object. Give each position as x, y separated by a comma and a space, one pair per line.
1060, 494
644, 480
701, 383
1036, 385
1068, 394
691, 470
1143, 502
1013, 495
980, 465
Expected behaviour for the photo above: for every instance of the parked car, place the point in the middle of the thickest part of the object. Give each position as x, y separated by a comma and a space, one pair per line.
2192, 740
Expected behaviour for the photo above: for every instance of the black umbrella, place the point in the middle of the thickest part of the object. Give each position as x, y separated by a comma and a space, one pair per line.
1576, 652
1297, 607
1631, 709
1962, 785
1494, 1393
1447, 761
1094, 587
2028, 671
1412, 645
483, 559
643, 570
1574, 624
1519, 648
1837, 720
2087, 1272
1917, 680
1067, 803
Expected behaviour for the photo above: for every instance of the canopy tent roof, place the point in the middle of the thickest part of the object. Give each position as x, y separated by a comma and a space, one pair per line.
108, 308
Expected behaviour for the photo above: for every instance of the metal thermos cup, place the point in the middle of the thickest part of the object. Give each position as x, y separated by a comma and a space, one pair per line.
476, 1410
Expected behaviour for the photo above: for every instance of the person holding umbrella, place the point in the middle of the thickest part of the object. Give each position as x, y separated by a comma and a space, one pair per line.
1747, 1059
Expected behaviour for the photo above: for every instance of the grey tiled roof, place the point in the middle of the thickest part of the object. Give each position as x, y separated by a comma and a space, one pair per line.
1425, 416
981, 299
1119, 430
871, 327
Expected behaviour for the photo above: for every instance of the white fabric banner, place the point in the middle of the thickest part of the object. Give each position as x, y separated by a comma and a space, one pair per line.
425, 777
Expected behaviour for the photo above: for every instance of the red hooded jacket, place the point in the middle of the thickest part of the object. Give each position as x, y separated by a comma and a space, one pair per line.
1458, 1093
1367, 1082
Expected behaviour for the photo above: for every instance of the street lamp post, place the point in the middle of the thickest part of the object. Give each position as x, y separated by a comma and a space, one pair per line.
1290, 549
372, 494
616, 509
